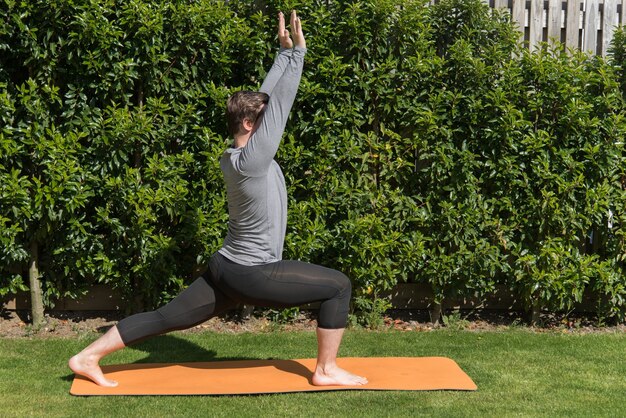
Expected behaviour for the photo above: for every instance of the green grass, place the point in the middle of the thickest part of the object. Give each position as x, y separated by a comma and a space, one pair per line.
518, 373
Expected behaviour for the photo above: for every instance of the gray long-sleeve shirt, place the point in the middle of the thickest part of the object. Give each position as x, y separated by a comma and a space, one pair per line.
255, 185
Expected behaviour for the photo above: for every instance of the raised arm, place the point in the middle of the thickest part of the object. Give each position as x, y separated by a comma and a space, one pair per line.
276, 72
282, 85
282, 59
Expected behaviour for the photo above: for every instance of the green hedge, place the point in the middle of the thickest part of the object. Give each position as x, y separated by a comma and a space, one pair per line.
426, 145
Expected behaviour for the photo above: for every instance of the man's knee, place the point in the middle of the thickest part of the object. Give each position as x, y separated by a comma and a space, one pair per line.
344, 285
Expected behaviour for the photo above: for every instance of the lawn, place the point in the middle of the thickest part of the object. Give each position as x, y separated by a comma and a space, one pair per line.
518, 372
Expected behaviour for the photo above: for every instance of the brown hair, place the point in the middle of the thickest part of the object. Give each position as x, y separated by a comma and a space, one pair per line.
244, 105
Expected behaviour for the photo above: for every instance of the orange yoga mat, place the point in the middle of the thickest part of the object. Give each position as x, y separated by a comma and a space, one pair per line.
274, 376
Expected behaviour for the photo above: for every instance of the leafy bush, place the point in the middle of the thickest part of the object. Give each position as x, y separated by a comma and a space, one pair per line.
426, 145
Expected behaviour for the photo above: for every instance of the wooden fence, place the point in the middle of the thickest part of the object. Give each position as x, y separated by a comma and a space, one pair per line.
584, 24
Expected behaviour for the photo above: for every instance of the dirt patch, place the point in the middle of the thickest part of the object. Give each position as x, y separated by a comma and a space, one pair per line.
67, 324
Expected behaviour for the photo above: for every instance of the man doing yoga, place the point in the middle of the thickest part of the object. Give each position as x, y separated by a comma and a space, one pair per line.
249, 266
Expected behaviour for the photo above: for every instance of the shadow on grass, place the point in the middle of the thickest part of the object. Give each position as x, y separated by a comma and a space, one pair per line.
171, 349
166, 349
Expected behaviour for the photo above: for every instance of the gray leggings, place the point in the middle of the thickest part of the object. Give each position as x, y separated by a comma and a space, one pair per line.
282, 284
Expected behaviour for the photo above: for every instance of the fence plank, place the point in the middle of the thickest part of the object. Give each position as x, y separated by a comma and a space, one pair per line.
590, 29
535, 23
623, 20
554, 20
501, 4
518, 14
572, 25
608, 24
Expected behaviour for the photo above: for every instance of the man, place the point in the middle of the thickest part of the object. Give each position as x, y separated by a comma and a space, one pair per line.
249, 266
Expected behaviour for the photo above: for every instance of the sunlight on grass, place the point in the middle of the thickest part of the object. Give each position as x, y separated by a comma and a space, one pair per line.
518, 373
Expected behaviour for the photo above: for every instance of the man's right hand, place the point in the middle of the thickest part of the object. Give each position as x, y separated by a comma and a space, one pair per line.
296, 28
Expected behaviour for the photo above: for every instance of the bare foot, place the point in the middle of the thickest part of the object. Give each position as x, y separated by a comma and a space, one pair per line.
331, 376
87, 366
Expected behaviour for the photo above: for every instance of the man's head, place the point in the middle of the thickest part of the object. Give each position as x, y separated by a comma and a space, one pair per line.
244, 106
